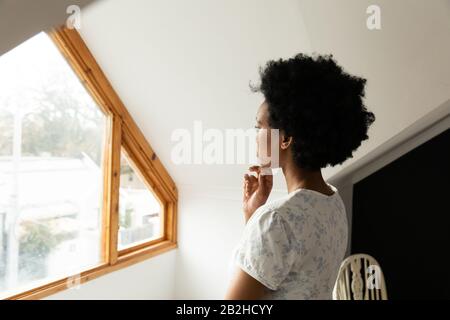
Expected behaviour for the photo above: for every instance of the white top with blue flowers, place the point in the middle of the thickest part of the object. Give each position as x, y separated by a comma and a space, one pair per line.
294, 245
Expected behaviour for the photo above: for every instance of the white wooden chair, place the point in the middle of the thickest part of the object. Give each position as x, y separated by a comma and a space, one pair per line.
350, 284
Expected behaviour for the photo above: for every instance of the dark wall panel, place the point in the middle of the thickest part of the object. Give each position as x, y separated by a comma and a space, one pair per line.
401, 216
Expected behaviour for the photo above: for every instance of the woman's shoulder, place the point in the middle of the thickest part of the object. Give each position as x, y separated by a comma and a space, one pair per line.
289, 209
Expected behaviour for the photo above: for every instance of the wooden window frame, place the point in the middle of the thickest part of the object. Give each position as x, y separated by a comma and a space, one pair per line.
122, 132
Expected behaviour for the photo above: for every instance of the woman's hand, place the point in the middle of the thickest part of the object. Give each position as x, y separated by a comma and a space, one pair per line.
256, 189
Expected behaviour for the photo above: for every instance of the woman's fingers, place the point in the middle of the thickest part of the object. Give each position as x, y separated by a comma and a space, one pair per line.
250, 184
263, 179
246, 185
265, 174
264, 171
255, 169
253, 183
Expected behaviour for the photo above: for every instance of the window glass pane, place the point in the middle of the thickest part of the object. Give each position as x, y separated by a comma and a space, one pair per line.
51, 180
139, 210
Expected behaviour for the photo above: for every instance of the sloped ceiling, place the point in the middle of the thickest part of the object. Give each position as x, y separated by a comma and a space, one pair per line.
22, 19
174, 62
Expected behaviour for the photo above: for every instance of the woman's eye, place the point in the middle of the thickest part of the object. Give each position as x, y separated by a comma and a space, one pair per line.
257, 128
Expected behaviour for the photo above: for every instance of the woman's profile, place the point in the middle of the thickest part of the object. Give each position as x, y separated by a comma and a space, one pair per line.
292, 247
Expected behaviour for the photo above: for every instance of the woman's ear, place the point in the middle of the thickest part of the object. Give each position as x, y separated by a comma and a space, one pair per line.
285, 141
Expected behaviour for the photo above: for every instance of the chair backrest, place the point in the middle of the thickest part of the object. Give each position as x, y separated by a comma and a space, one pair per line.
360, 278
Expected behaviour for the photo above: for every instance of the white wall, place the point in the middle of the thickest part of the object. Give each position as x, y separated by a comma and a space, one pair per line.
210, 225
406, 63
150, 279
173, 62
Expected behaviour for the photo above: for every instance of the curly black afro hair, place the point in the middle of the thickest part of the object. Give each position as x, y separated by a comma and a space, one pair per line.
312, 99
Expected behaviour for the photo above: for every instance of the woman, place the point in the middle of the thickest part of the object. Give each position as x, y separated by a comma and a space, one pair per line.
292, 247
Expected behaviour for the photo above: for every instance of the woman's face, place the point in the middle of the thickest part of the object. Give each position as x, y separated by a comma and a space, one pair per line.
264, 138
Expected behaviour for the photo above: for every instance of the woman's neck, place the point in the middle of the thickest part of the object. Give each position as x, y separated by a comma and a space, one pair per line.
306, 179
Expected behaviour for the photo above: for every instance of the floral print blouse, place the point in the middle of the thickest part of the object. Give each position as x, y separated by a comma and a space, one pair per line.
295, 245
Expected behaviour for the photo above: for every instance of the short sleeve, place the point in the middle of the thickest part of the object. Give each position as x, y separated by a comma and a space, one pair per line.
267, 251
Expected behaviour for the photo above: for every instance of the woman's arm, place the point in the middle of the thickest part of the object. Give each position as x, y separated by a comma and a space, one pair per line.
245, 287
256, 192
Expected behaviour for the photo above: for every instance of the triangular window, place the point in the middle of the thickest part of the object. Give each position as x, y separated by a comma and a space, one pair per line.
82, 193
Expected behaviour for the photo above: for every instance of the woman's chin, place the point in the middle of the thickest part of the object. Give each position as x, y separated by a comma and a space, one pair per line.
266, 164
